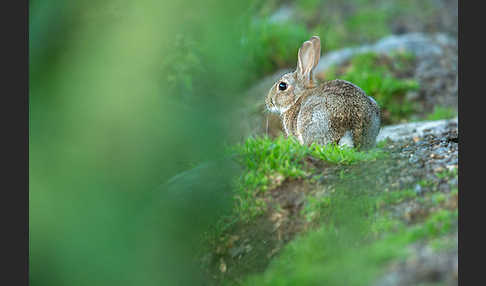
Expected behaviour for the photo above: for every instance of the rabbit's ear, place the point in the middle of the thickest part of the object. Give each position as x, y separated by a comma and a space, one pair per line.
316, 43
306, 63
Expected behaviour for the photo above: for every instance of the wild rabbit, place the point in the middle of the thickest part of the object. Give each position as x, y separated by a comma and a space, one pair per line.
335, 111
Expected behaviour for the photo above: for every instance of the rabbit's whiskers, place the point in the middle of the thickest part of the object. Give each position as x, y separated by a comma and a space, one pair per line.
266, 130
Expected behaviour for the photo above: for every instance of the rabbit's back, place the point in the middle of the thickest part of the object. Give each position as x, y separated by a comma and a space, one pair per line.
336, 108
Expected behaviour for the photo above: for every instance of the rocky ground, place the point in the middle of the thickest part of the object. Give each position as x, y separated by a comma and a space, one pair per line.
430, 147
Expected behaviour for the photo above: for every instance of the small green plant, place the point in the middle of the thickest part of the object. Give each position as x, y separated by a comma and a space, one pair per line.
435, 225
394, 197
441, 113
442, 243
381, 144
438, 198
314, 207
454, 191
427, 184
447, 174
384, 224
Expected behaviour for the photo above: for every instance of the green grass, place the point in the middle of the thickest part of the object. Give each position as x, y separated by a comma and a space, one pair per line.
268, 162
441, 113
375, 75
447, 174
442, 243
315, 207
437, 224
395, 197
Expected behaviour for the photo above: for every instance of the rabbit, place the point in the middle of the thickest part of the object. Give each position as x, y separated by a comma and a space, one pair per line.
334, 111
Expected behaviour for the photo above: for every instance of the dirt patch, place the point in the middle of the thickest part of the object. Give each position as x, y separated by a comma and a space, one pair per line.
247, 248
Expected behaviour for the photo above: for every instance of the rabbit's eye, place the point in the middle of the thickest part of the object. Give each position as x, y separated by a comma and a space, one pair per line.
282, 86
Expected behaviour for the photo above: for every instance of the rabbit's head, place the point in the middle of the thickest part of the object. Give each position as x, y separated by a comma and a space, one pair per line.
285, 92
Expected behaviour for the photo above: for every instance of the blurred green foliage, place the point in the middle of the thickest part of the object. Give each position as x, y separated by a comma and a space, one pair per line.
366, 26
271, 46
110, 122
182, 66
354, 22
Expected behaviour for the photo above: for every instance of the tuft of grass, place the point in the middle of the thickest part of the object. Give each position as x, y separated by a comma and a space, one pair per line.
447, 174
454, 191
384, 224
269, 162
395, 197
435, 225
383, 143
442, 244
375, 75
438, 198
315, 207
441, 113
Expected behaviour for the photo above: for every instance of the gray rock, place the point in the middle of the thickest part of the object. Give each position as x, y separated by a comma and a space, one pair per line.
420, 45
414, 129
284, 13
418, 189
423, 265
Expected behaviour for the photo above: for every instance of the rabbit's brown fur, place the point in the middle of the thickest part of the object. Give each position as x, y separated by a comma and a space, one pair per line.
323, 113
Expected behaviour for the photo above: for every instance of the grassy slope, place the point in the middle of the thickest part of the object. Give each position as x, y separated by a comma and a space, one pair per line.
313, 214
